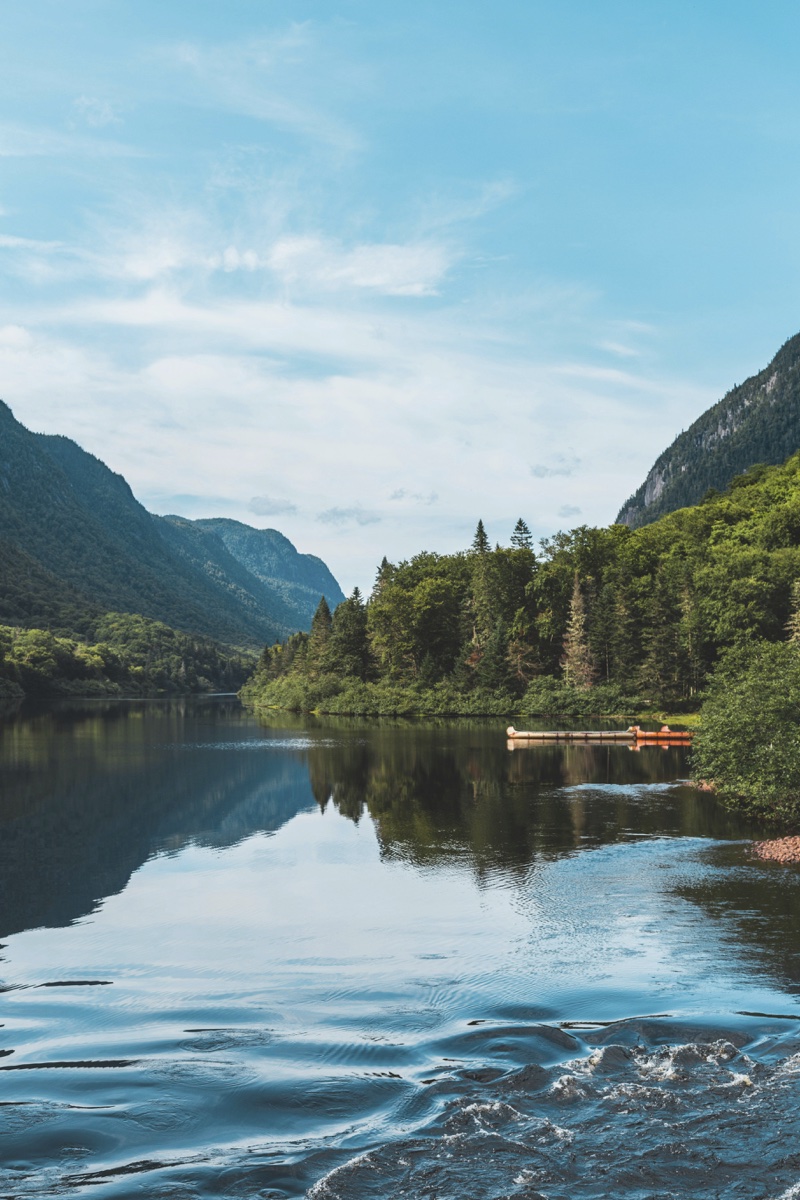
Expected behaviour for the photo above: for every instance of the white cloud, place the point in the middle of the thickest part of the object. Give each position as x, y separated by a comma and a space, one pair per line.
271, 79
23, 141
394, 270
328, 402
416, 497
271, 506
348, 516
559, 464
96, 111
9, 242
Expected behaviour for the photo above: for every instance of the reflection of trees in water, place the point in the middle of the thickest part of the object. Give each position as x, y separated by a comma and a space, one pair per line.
91, 792
458, 793
756, 907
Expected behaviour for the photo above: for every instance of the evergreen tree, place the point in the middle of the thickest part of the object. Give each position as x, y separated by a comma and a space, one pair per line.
384, 576
522, 538
663, 669
348, 652
319, 637
521, 654
480, 543
577, 664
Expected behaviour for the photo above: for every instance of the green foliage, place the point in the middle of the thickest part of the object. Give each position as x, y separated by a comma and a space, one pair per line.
578, 665
522, 538
548, 697
129, 656
480, 543
749, 740
599, 620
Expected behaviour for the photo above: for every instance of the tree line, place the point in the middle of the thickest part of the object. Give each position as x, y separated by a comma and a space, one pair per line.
127, 655
593, 619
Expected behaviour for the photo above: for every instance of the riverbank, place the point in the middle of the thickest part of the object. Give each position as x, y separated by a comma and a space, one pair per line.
331, 696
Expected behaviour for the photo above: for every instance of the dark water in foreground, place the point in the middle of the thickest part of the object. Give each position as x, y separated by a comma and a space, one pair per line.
353, 961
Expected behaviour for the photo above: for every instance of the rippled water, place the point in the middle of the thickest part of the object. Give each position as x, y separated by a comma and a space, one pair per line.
351, 960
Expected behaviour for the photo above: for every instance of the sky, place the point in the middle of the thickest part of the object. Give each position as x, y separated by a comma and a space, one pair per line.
366, 272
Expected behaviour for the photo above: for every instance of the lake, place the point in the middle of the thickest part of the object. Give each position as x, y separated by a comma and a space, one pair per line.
282, 957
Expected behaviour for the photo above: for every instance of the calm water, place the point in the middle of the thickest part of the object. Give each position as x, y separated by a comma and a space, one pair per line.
348, 960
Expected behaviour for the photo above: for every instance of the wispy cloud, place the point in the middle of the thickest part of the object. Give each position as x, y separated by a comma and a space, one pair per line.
269, 78
24, 141
271, 506
417, 497
9, 242
348, 516
394, 270
559, 464
96, 111
569, 510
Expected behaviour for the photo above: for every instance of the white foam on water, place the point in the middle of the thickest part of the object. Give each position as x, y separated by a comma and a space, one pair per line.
792, 1193
567, 1088
322, 1190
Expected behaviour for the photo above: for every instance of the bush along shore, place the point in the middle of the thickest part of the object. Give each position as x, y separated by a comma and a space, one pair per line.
128, 656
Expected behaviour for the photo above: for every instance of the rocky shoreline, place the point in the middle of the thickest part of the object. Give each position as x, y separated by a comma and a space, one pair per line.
783, 850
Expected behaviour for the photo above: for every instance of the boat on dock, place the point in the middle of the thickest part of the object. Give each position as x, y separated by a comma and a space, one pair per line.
634, 735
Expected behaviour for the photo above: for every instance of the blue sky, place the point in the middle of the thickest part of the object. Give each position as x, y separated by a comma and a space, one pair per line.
366, 272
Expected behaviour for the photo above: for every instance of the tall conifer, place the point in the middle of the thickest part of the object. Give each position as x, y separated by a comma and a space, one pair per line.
521, 538
480, 543
577, 661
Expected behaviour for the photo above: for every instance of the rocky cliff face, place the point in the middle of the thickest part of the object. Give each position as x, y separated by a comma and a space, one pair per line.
757, 422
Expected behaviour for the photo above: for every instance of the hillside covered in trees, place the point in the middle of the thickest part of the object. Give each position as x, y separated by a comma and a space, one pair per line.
75, 543
757, 422
593, 620
123, 655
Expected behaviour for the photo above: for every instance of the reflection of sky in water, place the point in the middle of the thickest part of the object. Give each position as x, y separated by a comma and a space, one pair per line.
599, 934
283, 973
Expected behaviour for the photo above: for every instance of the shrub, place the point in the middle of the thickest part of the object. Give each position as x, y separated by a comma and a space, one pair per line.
749, 739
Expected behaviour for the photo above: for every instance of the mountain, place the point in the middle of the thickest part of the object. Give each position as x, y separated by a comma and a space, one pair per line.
75, 542
299, 579
757, 422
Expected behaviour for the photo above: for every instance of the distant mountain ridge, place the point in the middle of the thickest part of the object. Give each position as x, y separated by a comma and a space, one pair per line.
74, 542
756, 422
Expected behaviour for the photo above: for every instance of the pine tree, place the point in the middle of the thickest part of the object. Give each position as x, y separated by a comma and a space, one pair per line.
577, 662
384, 575
522, 538
319, 637
348, 652
480, 543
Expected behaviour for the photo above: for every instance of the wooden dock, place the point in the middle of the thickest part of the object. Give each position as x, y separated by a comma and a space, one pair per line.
634, 735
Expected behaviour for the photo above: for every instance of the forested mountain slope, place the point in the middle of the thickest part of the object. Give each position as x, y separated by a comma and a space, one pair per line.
757, 422
299, 579
74, 542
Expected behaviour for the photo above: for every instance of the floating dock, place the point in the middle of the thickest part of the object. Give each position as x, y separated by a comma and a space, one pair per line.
634, 735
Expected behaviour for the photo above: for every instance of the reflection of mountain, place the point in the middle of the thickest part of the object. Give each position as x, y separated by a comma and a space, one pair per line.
92, 790
91, 793
439, 795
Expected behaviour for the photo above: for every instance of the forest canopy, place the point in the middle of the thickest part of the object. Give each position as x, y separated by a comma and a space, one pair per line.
592, 620
128, 655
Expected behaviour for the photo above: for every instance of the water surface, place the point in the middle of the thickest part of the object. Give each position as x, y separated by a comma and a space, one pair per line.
343, 959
